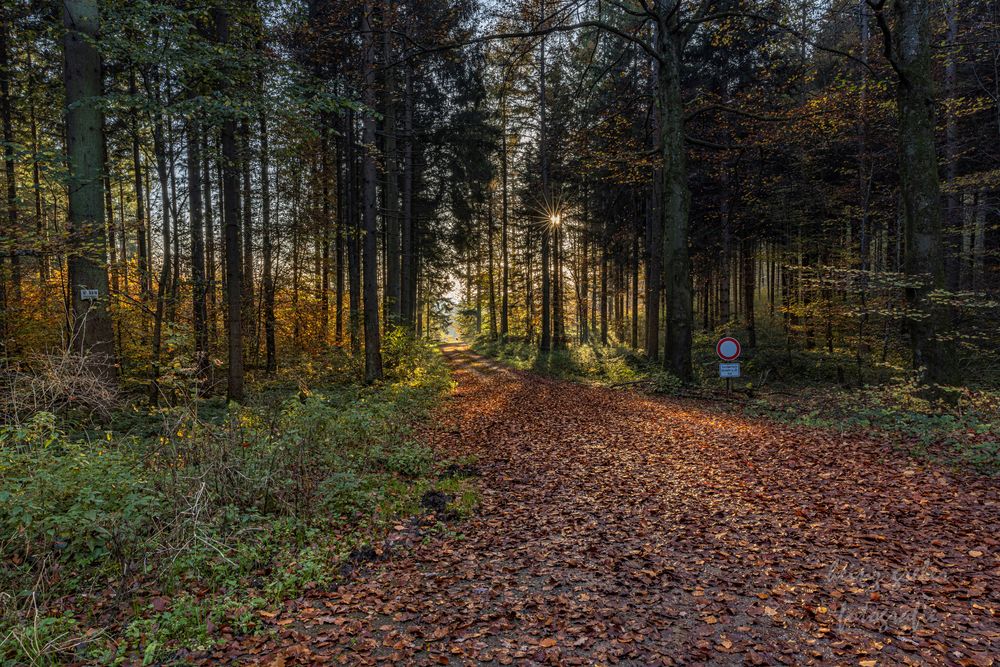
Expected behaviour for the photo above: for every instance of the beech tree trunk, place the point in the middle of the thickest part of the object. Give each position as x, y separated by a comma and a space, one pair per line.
675, 199
921, 191
93, 333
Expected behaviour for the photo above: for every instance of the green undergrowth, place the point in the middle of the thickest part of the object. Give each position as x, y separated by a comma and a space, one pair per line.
589, 363
182, 524
963, 432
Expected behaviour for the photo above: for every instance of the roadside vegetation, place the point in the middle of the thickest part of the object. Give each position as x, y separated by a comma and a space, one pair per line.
157, 532
812, 388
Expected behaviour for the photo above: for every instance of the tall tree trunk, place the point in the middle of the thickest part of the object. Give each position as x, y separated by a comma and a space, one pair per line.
654, 265
491, 274
175, 269
504, 251
353, 239
231, 214
163, 287
726, 255
249, 293
979, 241
270, 345
339, 242
635, 289
952, 208
198, 283
921, 191
40, 227
749, 293
296, 257
212, 305
604, 290
373, 348
393, 285
675, 202
6, 111
145, 267
406, 233
545, 344
584, 323
326, 228
93, 333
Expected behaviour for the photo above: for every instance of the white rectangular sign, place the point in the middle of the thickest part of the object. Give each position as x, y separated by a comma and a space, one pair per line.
729, 370
88, 294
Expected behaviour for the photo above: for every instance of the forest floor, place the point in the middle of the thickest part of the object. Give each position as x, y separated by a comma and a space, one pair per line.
619, 528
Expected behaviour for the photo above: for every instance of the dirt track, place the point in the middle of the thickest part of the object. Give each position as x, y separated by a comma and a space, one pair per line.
616, 528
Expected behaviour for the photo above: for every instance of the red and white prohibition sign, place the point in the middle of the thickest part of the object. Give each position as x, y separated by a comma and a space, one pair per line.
728, 349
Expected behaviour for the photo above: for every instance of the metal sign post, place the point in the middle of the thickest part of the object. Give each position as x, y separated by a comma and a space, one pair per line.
729, 350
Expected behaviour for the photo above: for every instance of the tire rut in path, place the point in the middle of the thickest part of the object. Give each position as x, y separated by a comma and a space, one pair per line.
616, 528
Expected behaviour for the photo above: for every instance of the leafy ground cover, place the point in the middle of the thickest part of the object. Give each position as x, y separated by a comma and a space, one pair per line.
168, 531
616, 527
962, 429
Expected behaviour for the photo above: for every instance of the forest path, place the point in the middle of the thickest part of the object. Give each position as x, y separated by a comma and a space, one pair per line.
618, 528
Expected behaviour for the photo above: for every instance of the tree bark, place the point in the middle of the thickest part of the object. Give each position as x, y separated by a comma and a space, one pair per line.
145, 268
270, 344
163, 287
326, 229
212, 305
93, 333
393, 285
353, 239
545, 343
921, 190
249, 293
491, 277
231, 213
6, 111
504, 251
654, 265
373, 348
675, 202
407, 305
198, 283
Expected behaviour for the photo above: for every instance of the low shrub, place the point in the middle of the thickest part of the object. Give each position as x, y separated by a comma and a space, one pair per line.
240, 503
64, 384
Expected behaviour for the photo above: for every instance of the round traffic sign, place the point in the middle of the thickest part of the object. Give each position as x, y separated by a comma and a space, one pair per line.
728, 349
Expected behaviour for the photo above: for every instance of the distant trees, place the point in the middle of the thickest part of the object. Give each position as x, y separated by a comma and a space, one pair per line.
253, 183
275, 182
716, 140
